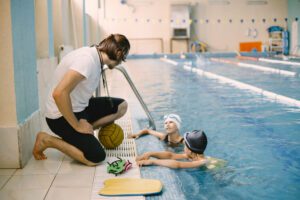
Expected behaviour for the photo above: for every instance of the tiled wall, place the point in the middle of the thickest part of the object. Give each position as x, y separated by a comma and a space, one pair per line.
19, 141
9, 148
45, 68
26, 136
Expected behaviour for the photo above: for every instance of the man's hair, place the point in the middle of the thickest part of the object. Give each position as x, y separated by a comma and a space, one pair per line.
116, 46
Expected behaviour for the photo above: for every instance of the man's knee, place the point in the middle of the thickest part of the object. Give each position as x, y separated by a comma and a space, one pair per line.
96, 156
122, 109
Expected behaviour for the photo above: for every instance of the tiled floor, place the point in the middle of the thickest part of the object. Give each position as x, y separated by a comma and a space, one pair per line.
59, 178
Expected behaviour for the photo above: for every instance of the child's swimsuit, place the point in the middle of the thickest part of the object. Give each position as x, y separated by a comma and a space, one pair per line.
173, 144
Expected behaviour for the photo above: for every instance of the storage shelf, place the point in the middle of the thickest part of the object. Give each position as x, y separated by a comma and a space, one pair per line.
276, 42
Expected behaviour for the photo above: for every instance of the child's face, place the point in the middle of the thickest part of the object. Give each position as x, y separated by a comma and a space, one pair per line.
170, 127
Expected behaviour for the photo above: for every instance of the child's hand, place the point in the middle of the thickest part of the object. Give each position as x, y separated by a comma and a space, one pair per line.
144, 156
137, 135
144, 163
132, 136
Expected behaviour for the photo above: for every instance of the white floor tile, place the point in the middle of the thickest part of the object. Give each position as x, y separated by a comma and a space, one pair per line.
54, 154
68, 158
9, 148
69, 193
73, 180
29, 182
3, 180
32, 194
49, 166
73, 167
7, 171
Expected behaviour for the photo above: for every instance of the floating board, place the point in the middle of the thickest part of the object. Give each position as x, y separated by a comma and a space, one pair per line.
130, 187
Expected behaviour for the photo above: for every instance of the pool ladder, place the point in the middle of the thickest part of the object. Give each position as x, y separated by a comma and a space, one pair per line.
137, 94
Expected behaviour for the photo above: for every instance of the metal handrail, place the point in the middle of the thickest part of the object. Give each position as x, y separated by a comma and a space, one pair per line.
137, 94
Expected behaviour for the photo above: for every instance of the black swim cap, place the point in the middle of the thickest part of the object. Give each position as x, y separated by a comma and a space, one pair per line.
196, 141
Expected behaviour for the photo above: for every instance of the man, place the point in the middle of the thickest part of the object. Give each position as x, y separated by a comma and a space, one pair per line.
71, 111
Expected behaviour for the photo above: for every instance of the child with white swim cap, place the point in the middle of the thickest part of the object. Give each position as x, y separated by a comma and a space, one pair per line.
172, 137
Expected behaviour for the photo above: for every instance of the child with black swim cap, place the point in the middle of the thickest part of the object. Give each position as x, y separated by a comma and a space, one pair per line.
195, 145
172, 136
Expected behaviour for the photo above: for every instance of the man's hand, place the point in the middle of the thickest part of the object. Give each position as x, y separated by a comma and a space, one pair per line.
84, 127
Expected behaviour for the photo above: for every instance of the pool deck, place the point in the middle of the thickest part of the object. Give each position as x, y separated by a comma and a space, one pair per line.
60, 177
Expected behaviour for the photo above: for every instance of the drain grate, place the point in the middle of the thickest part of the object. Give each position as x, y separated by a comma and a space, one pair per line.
127, 148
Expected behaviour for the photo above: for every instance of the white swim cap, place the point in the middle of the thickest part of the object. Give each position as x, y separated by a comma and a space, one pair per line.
174, 118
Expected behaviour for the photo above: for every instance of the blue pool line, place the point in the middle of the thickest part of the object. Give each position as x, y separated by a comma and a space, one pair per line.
270, 95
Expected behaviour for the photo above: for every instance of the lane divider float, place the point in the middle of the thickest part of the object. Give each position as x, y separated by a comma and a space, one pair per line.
256, 67
284, 62
270, 95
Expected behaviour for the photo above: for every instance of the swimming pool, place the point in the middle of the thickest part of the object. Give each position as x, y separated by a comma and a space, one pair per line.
259, 138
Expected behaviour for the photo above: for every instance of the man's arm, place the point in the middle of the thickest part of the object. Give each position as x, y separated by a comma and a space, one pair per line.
61, 95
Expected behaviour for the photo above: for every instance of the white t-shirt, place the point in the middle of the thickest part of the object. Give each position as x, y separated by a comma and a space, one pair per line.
85, 61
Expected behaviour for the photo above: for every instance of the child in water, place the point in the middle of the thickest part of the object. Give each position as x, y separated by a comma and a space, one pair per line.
195, 145
172, 137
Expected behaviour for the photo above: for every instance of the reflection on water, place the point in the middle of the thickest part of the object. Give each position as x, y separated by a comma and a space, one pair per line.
260, 140
201, 61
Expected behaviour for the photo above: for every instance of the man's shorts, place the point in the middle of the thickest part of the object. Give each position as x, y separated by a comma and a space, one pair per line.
98, 108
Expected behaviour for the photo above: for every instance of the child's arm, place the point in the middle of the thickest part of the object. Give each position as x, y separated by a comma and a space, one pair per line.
161, 155
148, 131
172, 163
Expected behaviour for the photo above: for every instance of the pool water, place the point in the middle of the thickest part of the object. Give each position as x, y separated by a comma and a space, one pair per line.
258, 138
280, 84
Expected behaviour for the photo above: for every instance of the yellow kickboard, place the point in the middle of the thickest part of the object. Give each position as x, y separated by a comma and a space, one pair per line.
130, 187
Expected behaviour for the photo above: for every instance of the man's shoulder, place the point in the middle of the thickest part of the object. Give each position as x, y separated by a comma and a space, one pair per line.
83, 51
83, 54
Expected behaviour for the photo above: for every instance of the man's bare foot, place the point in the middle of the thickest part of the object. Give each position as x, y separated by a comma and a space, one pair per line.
40, 146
